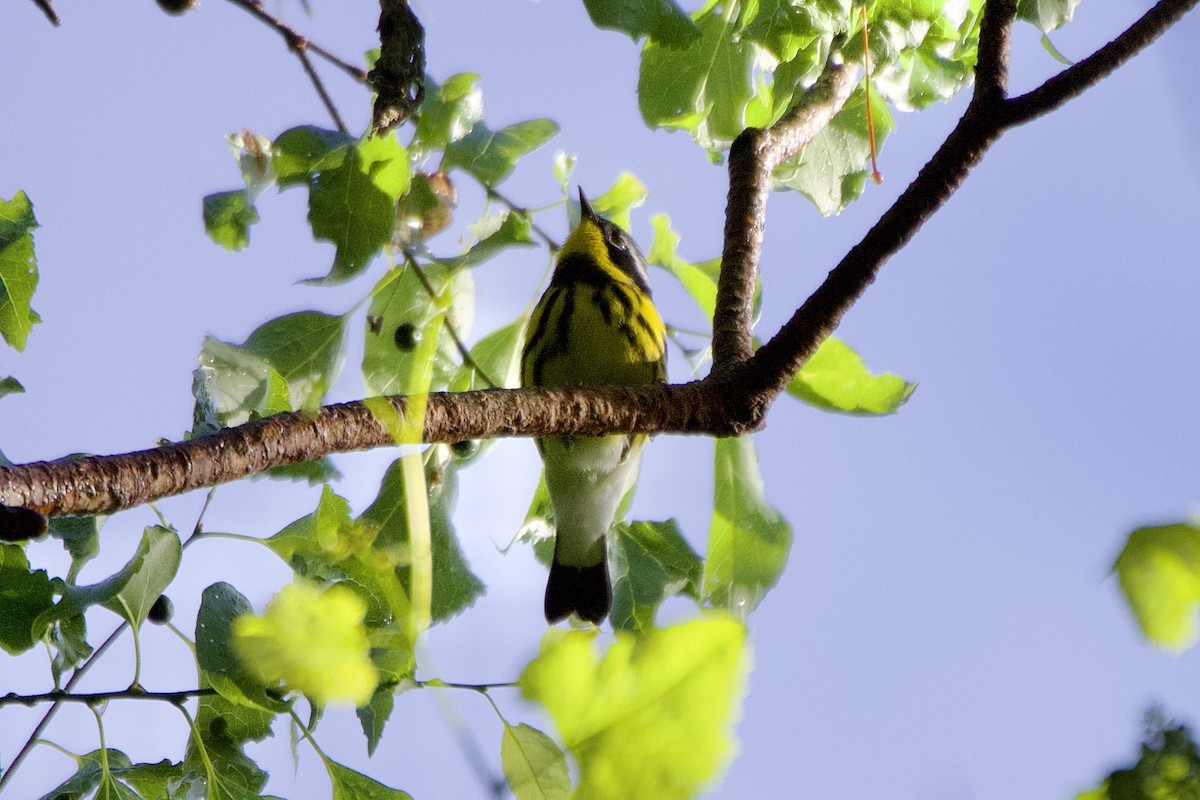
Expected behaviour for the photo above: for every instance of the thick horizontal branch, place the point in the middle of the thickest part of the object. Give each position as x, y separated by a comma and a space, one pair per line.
104, 484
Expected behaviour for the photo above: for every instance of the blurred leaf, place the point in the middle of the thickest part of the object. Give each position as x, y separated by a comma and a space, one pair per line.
25, 594
653, 716
534, 766
831, 170
1046, 15
353, 205
312, 641
351, 785
449, 112
18, 270
650, 561
1168, 767
153, 575
228, 217
1159, 571
836, 379
748, 541
537, 529
703, 87
491, 155
564, 168
220, 605
661, 20
1054, 52
286, 364
10, 385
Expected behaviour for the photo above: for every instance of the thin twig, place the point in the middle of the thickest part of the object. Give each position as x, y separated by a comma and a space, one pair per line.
92, 698
550, 241
319, 85
296, 40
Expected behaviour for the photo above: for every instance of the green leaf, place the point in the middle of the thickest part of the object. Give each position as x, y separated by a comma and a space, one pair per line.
699, 280
351, 785
651, 561
513, 231
455, 587
353, 204
25, 594
661, 20
219, 757
831, 170
491, 155
748, 541
161, 780
10, 385
402, 300
18, 270
153, 575
312, 641
537, 528
1159, 572
80, 537
836, 379
534, 765
495, 359
626, 194
1046, 15
375, 714
653, 716
703, 87
68, 637
90, 774
299, 152
228, 217
220, 605
448, 112
286, 364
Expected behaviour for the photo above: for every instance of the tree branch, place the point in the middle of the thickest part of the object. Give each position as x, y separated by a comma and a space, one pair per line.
752, 158
49, 11
92, 698
1074, 80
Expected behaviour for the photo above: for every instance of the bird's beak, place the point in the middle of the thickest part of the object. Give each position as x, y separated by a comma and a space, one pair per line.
585, 208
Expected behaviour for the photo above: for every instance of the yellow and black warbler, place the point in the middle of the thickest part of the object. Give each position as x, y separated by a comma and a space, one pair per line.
595, 325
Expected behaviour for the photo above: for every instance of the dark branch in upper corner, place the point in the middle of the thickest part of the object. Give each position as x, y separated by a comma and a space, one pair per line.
49, 11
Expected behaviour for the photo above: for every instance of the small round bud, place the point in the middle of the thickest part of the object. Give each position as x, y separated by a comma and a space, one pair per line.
408, 336
465, 449
162, 610
177, 7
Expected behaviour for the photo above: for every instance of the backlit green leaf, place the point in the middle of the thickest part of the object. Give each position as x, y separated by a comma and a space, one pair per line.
228, 217
449, 112
1046, 15
748, 541
650, 562
652, 716
351, 785
18, 270
24, 595
153, 575
661, 20
534, 766
300, 152
10, 385
513, 231
353, 205
836, 379
831, 170
491, 155
1159, 572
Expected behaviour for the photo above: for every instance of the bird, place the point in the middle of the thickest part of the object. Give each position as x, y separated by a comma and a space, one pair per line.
596, 324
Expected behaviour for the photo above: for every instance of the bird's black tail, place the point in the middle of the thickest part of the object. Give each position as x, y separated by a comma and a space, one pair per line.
582, 590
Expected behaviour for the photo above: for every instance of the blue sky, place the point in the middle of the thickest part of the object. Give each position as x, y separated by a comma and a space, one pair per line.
947, 627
